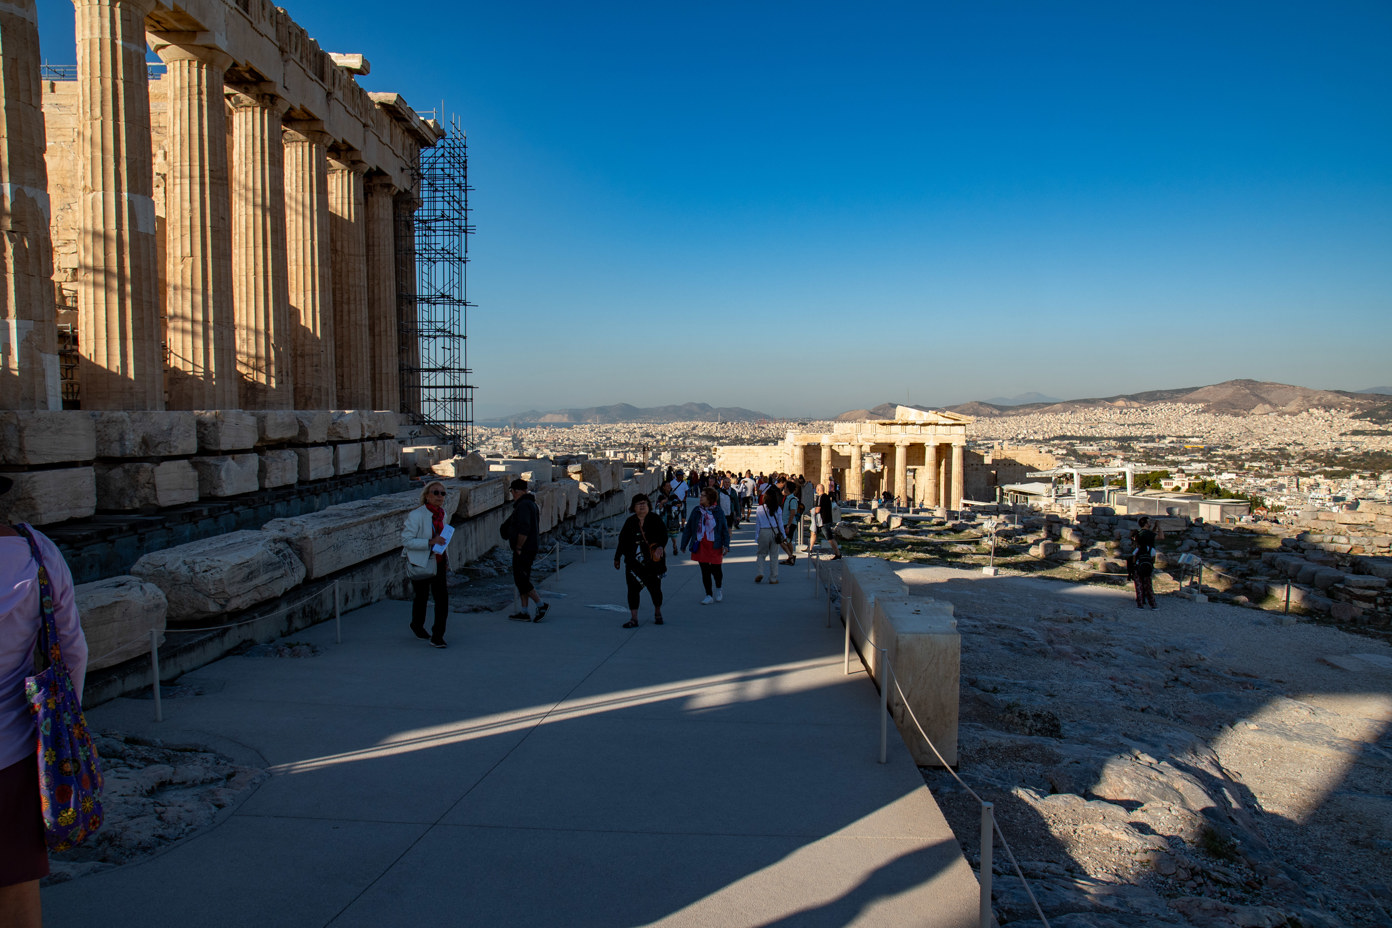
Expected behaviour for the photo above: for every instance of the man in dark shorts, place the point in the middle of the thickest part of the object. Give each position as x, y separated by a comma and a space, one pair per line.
522, 538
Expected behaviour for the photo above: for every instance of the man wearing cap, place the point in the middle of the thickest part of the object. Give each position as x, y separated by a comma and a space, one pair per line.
525, 526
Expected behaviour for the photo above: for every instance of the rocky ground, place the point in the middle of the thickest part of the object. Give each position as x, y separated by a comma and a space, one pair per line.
1202, 764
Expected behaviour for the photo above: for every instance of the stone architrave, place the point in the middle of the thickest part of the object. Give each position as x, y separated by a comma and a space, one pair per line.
199, 326
383, 339
156, 434
407, 319
118, 301
118, 614
347, 242
901, 471
222, 574
43, 497
46, 437
29, 376
930, 490
261, 284
958, 476
309, 265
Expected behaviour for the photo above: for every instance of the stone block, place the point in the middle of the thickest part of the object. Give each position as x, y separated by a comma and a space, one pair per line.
1345, 612
225, 430
35, 437
845, 531
145, 434
345, 425
347, 458
316, 463
311, 426
478, 497
471, 465
227, 474
222, 574
346, 534
118, 614
278, 468
44, 497
1360, 581
274, 426
372, 458
476, 537
1375, 507
382, 423
140, 485
1359, 517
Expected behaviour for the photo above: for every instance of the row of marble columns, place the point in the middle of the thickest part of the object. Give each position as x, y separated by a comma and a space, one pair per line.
281, 255
938, 482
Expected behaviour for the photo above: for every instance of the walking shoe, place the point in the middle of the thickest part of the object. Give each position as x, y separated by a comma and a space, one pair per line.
520, 617
707, 601
438, 644
773, 581
420, 633
836, 558
759, 579
719, 594
657, 620
541, 611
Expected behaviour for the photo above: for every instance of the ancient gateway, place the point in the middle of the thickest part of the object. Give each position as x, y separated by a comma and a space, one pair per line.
232, 233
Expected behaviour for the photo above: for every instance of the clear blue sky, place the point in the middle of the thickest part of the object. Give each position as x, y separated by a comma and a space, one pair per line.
809, 207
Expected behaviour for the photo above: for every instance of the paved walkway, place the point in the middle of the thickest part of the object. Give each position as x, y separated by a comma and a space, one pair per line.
719, 770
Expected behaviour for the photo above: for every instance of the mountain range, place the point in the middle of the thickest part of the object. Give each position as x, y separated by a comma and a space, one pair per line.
625, 412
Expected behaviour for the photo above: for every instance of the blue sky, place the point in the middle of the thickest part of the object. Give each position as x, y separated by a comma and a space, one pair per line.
810, 207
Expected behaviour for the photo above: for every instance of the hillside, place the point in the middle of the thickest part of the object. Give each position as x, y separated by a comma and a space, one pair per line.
625, 412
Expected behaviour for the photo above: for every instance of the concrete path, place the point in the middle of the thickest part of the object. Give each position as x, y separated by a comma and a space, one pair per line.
719, 770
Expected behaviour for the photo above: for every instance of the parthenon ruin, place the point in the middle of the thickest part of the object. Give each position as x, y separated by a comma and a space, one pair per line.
224, 235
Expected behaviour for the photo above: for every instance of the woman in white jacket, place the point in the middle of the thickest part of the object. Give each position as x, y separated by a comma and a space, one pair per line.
427, 569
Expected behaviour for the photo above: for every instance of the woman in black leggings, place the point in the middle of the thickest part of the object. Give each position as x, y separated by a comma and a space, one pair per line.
642, 541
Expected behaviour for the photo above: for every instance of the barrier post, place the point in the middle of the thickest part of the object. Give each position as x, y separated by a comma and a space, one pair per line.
848, 645
558, 560
987, 837
884, 705
1287, 597
338, 625
584, 543
155, 673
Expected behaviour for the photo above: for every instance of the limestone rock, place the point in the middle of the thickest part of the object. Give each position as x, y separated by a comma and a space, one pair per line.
31, 437
279, 468
43, 497
145, 434
274, 426
139, 485
118, 614
470, 465
345, 425
221, 574
312, 426
225, 430
227, 474
845, 531
347, 458
346, 534
316, 463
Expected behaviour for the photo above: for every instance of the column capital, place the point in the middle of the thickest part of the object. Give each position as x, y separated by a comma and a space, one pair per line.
379, 185
188, 46
408, 200
346, 160
308, 131
140, 7
259, 96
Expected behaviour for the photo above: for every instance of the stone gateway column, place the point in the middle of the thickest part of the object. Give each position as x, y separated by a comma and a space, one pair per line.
855, 479
958, 454
384, 356
352, 354
928, 493
309, 265
118, 284
825, 464
199, 316
901, 470
29, 376
261, 287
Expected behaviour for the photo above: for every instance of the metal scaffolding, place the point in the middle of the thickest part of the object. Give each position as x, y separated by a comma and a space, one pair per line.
435, 388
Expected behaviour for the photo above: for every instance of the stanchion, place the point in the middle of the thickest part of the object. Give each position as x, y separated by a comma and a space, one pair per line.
884, 706
987, 836
584, 543
558, 560
1287, 597
155, 674
848, 643
338, 623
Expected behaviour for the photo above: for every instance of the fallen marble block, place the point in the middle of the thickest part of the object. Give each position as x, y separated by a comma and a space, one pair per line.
43, 497
145, 434
30, 437
346, 534
225, 430
227, 474
222, 574
478, 497
118, 614
137, 485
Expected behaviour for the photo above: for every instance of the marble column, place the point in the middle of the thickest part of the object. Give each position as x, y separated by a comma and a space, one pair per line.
260, 280
407, 321
944, 480
825, 465
118, 284
352, 353
855, 479
928, 493
200, 333
901, 471
309, 265
384, 355
29, 377
958, 474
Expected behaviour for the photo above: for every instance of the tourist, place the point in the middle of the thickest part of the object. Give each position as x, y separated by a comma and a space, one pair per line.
1148, 534
748, 489
522, 529
826, 522
729, 503
427, 568
791, 515
23, 852
708, 539
769, 531
1143, 567
642, 542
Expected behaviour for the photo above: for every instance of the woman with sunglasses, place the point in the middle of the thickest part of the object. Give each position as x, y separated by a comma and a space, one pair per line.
427, 569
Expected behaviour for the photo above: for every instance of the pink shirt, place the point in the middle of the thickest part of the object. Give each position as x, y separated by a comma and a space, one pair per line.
19, 631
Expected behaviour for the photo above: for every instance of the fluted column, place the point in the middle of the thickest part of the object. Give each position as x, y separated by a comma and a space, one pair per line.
29, 377
260, 280
826, 465
901, 471
118, 282
408, 323
384, 357
352, 356
928, 493
958, 455
309, 265
855, 480
199, 315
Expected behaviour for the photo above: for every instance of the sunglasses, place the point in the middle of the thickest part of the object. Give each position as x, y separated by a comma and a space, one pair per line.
437, 493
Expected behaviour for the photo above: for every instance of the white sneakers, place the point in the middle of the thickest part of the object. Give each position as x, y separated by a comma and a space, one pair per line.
719, 594
707, 601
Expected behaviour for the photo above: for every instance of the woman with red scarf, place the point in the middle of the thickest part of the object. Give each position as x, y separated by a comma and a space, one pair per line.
427, 568
707, 537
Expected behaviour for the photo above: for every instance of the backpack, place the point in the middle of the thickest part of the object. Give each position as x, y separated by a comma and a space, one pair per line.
1145, 557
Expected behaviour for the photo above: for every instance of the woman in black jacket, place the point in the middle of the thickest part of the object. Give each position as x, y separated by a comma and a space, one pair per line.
642, 541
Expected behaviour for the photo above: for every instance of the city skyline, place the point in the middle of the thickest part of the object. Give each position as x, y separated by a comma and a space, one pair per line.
800, 209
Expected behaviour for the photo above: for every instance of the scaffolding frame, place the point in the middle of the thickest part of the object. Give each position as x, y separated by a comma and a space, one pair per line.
433, 320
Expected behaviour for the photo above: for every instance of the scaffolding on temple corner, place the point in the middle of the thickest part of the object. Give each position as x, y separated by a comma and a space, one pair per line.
433, 321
